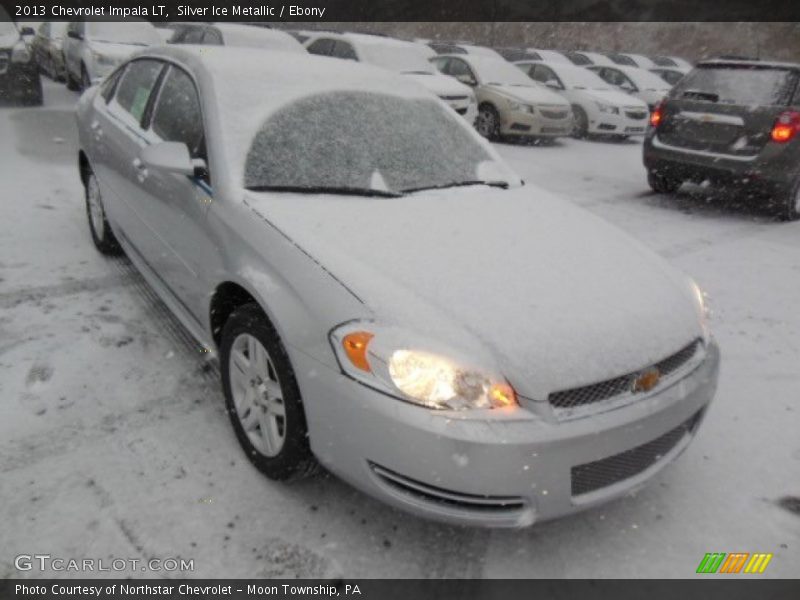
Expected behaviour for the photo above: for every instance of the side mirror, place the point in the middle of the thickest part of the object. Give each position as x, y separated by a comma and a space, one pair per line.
170, 157
27, 31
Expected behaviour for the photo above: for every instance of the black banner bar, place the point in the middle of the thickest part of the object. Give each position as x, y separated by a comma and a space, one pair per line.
413, 10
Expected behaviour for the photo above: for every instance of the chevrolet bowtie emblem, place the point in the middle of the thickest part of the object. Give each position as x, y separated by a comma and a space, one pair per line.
646, 380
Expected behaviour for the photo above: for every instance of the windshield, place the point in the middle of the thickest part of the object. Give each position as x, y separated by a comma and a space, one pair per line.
7, 27
739, 84
646, 80
580, 78
398, 145
123, 32
499, 72
400, 58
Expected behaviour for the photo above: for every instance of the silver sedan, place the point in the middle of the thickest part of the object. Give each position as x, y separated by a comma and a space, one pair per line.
385, 296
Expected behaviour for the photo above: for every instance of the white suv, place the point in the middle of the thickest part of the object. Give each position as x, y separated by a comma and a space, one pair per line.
94, 48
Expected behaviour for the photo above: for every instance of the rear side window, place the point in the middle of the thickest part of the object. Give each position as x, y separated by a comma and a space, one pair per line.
321, 47
177, 116
738, 84
579, 59
136, 85
212, 37
110, 85
343, 50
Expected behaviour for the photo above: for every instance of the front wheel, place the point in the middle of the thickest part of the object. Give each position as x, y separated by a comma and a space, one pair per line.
262, 396
488, 122
580, 128
102, 236
661, 184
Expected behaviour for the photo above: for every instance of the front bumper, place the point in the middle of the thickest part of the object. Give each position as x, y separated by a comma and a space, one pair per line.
536, 124
510, 471
773, 170
619, 124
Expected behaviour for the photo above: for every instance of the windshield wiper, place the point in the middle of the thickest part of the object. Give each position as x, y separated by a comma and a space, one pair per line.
500, 184
321, 189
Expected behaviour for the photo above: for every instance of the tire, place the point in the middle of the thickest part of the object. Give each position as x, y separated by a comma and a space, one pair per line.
86, 82
488, 122
661, 184
262, 397
789, 203
72, 85
102, 235
580, 128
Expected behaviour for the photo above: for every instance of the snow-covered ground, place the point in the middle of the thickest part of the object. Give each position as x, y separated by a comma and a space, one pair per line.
114, 442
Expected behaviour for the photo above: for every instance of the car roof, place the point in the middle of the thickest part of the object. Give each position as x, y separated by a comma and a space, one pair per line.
767, 64
255, 34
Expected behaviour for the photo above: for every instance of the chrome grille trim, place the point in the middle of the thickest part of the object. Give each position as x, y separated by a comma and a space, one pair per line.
617, 386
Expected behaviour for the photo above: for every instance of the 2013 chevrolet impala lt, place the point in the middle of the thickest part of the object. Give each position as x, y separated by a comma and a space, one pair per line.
384, 294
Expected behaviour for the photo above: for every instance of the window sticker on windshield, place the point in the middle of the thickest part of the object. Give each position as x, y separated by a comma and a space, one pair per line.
139, 102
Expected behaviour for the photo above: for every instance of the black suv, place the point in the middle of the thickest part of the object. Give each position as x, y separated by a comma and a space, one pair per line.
19, 73
733, 122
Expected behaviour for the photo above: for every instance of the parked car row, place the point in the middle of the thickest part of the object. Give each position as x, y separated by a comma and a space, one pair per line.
19, 73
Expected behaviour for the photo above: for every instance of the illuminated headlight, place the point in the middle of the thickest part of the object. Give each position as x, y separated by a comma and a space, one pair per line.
607, 108
703, 310
104, 59
519, 107
20, 53
421, 373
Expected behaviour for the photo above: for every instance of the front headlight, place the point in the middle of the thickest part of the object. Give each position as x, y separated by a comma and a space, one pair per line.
20, 53
519, 107
703, 310
386, 359
607, 108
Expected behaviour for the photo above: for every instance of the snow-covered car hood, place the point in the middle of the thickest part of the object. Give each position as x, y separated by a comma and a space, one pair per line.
8, 40
614, 98
560, 297
113, 50
533, 94
441, 85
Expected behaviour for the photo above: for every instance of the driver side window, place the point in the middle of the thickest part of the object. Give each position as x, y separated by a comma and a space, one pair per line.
178, 116
461, 71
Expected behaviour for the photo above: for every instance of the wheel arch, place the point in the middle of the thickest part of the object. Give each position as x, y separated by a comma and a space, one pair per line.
84, 167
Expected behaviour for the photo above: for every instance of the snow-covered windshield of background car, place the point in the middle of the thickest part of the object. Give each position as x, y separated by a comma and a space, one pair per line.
396, 57
7, 27
367, 143
123, 32
738, 84
645, 80
580, 78
495, 71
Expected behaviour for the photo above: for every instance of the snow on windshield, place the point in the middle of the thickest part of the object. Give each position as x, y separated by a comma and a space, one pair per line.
401, 58
353, 140
123, 32
578, 77
492, 71
740, 85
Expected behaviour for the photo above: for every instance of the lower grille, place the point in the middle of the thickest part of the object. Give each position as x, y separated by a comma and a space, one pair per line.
637, 115
429, 493
604, 390
554, 114
595, 475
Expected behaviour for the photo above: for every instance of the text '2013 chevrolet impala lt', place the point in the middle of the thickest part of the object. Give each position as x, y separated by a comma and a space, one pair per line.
384, 294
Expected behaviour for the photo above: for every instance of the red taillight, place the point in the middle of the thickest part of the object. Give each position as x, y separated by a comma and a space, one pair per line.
786, 127
655, 116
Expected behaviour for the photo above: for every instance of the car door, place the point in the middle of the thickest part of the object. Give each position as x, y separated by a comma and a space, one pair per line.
119, 125
188, 256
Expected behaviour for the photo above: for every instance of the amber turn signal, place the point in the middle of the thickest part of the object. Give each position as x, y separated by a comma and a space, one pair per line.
355, 346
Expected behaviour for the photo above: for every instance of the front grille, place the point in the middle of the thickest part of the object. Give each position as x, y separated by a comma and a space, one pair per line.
554, 114
595, 475
637, 115
429, 493
597, 392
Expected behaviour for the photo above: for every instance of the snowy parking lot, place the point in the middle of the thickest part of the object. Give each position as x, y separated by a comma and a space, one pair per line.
114, 441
